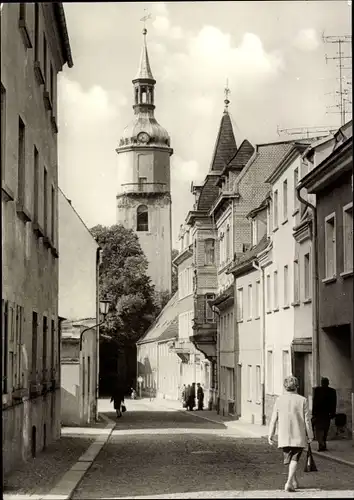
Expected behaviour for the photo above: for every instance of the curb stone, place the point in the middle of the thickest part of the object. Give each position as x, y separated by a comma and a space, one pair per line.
66, 486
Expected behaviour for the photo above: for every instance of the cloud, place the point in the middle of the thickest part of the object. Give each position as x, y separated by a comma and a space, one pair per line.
307, 40
162, 24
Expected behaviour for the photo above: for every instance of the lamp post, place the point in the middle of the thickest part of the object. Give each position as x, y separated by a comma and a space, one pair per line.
104, 308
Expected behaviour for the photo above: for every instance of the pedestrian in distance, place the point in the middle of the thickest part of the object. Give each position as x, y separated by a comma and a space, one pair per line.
183, 396
191, 398
118, 400
323, 410
188, 396
200, 397
291, 413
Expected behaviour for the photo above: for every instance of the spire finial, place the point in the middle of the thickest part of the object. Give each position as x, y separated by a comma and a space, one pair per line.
227, 92
144, 19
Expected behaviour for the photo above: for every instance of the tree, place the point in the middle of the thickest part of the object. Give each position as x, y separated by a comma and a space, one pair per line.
124, 281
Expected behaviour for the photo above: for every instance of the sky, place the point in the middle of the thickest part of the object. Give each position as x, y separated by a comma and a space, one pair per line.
271, 53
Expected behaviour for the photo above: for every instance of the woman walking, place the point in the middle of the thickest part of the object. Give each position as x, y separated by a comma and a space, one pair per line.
294, 428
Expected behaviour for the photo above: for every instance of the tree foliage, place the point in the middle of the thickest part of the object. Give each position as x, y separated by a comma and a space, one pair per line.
124, 281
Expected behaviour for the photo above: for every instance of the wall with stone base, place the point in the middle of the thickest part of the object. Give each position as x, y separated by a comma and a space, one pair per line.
43, 413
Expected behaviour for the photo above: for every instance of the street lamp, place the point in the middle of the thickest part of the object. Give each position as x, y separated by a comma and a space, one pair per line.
104, 308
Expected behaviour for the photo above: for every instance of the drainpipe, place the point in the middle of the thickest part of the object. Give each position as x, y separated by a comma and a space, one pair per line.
98, 262
217, 311
263, 343
315, 308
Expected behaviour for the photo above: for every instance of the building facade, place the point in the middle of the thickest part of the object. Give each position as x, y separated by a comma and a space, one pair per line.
144, 198
34, 48
331, 180
79, 307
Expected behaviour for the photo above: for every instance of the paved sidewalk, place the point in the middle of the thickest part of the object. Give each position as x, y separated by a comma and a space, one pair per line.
341, 451
55, 475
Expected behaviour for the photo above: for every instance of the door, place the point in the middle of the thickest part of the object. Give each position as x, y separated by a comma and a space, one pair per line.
239, 390
299, 371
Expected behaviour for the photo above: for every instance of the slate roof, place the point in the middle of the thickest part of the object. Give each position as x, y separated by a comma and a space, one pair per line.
249, 255
262, 165
165, 319
171, 331
225, 149
225, 145
242, 156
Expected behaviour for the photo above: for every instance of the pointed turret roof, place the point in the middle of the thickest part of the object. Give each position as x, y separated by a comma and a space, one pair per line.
225, 146
144, 71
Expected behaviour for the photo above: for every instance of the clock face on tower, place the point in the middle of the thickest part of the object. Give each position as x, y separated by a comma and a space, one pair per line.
143, 137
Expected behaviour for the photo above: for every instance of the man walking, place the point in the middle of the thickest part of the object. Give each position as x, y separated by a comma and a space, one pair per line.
323, 410
200, 397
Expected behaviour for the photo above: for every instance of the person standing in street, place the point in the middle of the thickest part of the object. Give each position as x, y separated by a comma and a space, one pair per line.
291, 413
200, 397
323, 410
183, 395
118, 399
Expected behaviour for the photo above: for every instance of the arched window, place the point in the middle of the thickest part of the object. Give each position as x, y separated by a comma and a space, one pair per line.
142, 218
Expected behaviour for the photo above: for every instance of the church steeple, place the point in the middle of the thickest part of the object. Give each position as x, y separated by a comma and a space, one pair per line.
144, 82
144, 130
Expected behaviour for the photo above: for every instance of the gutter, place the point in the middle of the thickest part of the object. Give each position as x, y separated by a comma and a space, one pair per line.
263, 343
315, 284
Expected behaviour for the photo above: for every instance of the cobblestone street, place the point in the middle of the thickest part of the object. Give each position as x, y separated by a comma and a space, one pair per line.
153, 451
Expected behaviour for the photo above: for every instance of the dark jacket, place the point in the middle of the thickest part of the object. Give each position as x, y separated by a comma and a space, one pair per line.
200, 393
117, 397
324, 402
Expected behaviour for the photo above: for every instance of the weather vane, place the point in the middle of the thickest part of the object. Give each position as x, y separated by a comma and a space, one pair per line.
144, 19
227, 93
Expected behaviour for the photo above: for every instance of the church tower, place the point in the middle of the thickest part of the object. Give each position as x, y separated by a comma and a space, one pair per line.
144, 196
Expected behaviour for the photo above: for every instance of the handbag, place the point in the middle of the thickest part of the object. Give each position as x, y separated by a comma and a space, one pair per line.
123, 409
310, 465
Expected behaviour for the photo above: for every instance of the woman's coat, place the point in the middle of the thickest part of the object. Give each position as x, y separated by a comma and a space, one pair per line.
291, 413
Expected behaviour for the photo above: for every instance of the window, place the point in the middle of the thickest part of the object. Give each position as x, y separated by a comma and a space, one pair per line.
35, 182
52, 222
286, 364
5, 347
44, 349
249, 302
21, 181
270, 372
17, 350
330, 245
258, 299
239, 304
45, 201
254, 232
51, 83
34, 346
228, 250
249, 383
209, 252
286, 286
52, 349
22, 14
296, 282
296, 181
307, 276
275, 209
348, 237
269, 302
36, 31
285, 200
45, 67
275, 284
3, 128
209, 313
258, 386
142, 218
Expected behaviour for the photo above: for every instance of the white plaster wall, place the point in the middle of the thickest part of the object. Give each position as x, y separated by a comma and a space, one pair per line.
280, 325
77, 265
